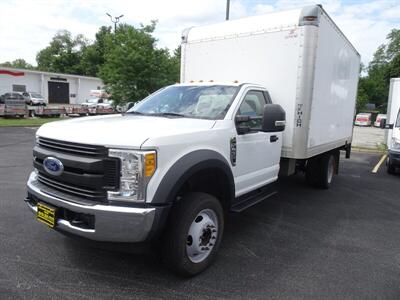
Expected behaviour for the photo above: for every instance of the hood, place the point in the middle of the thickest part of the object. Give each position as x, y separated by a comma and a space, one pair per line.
120, 130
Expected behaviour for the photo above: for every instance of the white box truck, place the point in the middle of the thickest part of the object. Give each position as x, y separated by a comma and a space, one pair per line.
259, 96
393, 124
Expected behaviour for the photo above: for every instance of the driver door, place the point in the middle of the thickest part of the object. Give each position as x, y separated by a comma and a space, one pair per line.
258, 153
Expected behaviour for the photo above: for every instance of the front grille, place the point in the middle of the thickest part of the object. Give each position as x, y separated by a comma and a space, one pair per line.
74, 190
72, 148
88, 172
111, 173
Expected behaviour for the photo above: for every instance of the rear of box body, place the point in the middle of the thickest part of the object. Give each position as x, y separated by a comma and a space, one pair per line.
309, 68
393, 107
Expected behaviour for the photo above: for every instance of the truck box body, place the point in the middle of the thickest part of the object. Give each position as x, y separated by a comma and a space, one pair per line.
300, 56
393, 106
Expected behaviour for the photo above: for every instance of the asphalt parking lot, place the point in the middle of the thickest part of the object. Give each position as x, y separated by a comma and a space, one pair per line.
303, 243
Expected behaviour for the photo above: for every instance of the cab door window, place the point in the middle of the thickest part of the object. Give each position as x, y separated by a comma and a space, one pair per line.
253, 106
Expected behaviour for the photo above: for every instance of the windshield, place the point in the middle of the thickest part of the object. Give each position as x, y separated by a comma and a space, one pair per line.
398, 119
35, 95
205, 102
94, 100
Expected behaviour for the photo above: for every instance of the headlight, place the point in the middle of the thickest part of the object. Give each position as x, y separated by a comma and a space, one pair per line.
137, 168
395, 144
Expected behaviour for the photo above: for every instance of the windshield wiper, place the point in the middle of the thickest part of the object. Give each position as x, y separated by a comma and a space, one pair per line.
169, 114
134, 112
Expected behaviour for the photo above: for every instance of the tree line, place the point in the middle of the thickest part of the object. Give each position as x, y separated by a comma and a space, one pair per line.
128, 60
373, 87
131, 66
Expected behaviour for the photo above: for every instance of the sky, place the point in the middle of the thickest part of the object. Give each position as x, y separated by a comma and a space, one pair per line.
27, 26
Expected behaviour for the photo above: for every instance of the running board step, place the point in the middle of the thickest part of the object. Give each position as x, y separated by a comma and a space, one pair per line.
252, 200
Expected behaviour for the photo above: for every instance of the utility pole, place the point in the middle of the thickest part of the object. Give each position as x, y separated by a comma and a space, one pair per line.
228, 2
115, 20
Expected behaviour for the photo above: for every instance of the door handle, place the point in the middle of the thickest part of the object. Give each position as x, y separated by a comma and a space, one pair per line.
273, 138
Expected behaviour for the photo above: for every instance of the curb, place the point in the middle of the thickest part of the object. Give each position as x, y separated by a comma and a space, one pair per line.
368, 150
19, 126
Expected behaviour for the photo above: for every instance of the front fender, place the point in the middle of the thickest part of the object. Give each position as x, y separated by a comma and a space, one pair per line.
187, 166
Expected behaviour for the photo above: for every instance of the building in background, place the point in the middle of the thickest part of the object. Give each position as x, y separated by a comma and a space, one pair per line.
56, 88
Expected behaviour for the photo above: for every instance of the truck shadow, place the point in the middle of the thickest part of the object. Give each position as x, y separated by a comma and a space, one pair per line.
259, 243
290, 242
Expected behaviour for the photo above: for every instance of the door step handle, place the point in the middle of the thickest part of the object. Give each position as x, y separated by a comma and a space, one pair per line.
273, 138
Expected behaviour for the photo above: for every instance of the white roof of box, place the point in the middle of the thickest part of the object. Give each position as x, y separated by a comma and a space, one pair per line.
269, 22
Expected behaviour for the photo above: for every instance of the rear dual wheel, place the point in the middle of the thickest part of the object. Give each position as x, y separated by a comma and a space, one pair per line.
194, 234
320, 170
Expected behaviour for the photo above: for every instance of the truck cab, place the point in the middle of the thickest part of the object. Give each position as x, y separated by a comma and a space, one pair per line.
208, 144
393, 161
392, 123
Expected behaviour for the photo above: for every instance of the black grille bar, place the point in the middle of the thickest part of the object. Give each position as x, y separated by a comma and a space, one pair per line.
76, 191
72, 148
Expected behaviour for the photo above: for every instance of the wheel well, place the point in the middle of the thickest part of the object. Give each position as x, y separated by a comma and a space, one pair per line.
211, 181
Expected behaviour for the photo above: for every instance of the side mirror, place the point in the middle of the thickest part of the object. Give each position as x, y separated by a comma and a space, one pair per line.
382, 124
274, 118
241, 127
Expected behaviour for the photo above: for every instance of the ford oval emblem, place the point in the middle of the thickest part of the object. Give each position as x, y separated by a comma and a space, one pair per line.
53, 166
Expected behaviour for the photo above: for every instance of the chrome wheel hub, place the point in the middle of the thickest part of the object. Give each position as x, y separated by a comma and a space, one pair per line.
202, 236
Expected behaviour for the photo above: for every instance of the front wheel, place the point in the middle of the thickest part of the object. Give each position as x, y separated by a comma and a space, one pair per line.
194, 234
391, 169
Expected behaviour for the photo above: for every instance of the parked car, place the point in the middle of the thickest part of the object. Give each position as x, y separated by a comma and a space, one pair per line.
107, 107
92, 103
11, 96
379, 119
169, 171
105, 104
32, 98
363, 119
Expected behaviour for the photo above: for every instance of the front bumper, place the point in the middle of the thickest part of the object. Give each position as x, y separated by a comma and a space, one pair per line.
394, 157
111, 223
362, 123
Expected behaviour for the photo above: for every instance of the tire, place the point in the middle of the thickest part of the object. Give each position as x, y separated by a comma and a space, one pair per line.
391, 169
320, 170
197, 214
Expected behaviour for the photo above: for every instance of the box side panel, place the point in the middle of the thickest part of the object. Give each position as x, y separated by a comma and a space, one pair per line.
266, 58
304, 92
336, 75
393, 105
